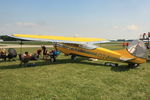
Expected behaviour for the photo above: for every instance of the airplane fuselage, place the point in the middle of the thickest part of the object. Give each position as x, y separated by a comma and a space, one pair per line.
97, 53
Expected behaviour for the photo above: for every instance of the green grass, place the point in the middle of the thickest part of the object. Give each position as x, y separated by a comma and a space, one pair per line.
26, 42
68, 80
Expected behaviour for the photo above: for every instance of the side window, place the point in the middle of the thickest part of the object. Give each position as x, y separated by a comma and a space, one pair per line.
88, 46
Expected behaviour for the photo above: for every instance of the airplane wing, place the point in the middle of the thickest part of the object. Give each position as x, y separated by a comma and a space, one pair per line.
58, 38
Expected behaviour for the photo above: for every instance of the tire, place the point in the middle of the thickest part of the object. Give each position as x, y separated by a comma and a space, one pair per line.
133, 65
114, 64
107, 64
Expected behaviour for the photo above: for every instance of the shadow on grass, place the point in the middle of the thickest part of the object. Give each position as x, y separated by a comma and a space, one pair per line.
46, 62
121, 68
64, 61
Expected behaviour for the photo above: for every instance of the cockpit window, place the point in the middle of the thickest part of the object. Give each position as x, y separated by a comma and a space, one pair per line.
138, 49
71, 44
88, 46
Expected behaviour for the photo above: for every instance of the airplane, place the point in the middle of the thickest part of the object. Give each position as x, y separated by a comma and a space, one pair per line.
134, 55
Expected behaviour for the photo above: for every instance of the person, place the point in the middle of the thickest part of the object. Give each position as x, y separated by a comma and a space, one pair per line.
25, 58
148, 34
27, 55
38, 53
34, 56
44, 52
144, 35
3, 54
53, 55
125, 44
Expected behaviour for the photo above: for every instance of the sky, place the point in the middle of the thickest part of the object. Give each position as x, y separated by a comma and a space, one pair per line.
109, 19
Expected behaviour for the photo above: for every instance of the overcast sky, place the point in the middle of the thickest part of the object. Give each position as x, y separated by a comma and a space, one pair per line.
110, 19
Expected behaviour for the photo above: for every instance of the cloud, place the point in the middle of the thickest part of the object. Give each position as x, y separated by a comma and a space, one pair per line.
27, 24
133, 27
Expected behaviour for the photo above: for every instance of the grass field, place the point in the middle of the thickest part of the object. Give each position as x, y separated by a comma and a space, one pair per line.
26, 42
68, 80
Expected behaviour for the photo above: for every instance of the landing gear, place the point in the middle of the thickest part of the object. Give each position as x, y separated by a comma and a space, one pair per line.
133, 65
111, 64
107, 63
114, 65
73, 57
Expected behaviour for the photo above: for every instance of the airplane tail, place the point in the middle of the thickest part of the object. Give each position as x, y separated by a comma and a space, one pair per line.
136, 52
138, 48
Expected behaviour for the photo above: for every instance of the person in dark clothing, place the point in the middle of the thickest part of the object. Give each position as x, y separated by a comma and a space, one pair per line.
39, 52
44, 51
53, 55
25, 58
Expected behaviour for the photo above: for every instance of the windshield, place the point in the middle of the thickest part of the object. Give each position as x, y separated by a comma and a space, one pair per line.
88, 46
138, 49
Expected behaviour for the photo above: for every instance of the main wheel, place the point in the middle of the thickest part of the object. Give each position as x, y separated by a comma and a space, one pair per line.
107, 63
111, 64
114, 64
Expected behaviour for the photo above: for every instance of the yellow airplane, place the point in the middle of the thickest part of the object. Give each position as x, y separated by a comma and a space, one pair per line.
134, 54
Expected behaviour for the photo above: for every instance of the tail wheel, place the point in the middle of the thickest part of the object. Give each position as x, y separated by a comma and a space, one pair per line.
133, 65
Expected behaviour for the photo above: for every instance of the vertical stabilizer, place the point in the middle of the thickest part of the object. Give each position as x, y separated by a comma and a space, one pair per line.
138, 49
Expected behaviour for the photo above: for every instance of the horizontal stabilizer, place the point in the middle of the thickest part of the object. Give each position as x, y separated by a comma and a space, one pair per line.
126, 56
126, 59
